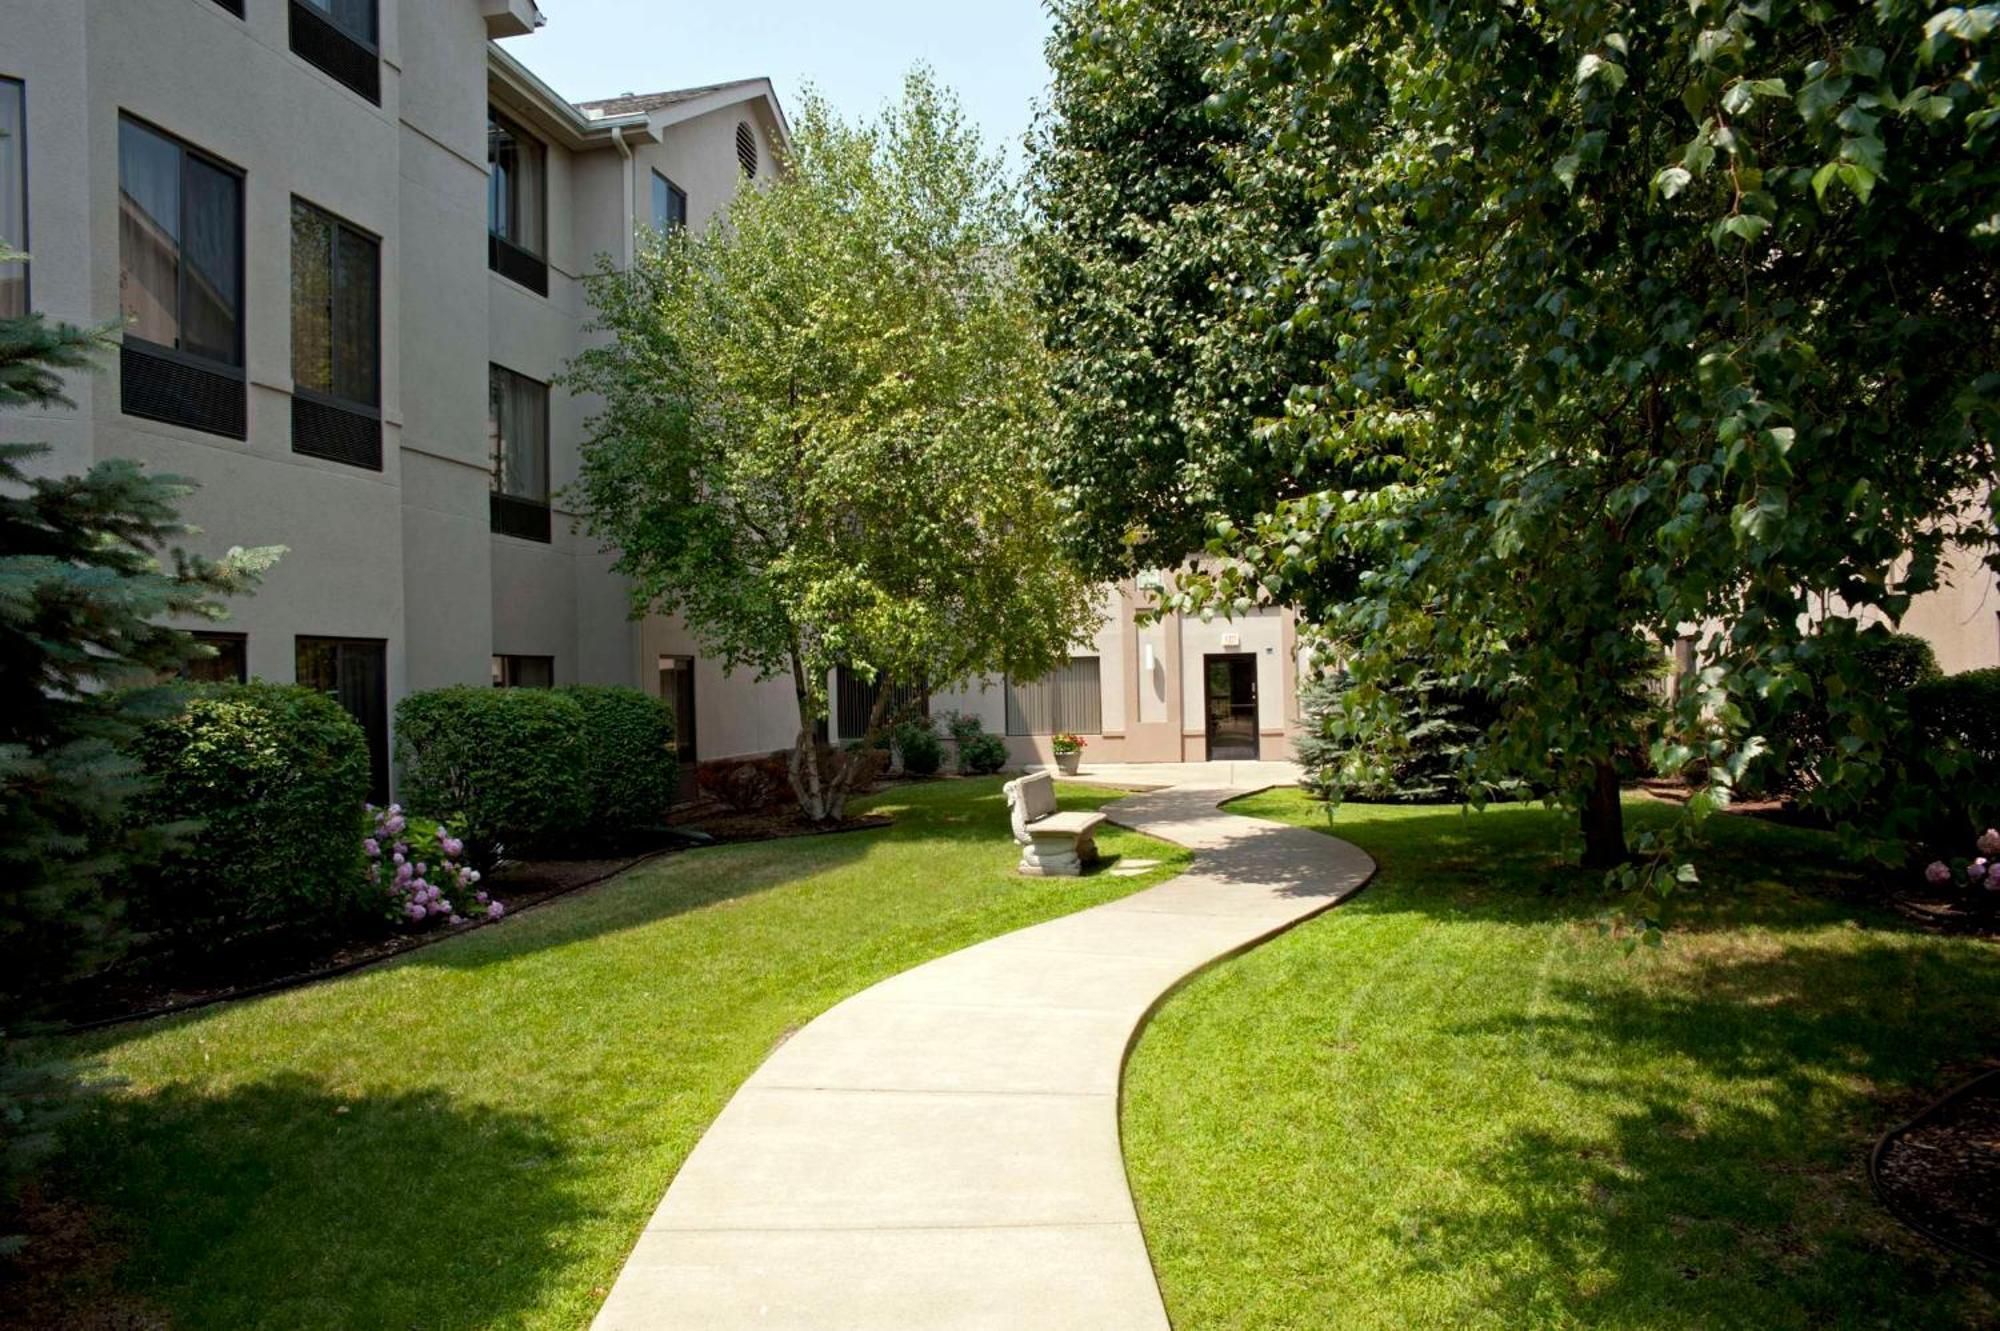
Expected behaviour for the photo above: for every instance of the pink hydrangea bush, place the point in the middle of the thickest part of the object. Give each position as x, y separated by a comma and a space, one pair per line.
417, 866
1979, 875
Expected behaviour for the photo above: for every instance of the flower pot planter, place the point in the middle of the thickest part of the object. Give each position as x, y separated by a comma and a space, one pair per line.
1067, 763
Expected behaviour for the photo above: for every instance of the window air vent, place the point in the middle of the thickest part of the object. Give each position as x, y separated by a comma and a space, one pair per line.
746, 148
161, 386
322, 429
509, 260
520, 517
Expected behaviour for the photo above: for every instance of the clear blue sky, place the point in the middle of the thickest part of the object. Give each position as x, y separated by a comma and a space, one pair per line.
854, 51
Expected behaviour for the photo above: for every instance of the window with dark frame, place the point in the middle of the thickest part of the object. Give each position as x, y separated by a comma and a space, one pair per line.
677, 689
516, 204
524, 672
13, 196
233, 6
229, 664
356, 672
517, 432
1069, 699
342, 39
180, 284
336, 339
670, 204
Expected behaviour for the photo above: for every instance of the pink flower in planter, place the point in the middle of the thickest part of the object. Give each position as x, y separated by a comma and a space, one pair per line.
1939, 872
1976, 870
1989, 842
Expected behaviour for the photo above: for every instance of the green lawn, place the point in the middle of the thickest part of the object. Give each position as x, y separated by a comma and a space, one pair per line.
1451, 1103
474, 1135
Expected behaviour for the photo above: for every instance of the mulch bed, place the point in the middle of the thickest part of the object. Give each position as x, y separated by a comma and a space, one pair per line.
164, 983
1940, 1172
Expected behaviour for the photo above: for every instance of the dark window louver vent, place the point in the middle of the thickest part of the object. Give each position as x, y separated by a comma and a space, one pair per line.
520, 517
160, 386
338, 434
746, 148
233, 6
320, 43
516, 264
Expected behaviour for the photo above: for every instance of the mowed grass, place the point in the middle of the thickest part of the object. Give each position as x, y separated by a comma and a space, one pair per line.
1451, 1103
475, 1135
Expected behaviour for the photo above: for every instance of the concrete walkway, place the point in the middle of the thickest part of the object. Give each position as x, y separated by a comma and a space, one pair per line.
942, 1150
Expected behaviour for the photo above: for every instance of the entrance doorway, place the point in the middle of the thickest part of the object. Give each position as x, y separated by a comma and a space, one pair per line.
1231, 701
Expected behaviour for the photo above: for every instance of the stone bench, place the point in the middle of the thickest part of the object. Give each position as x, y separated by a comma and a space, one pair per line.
1053, 844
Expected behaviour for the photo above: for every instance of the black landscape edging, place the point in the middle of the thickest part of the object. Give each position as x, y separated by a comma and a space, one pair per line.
417, 942
1894, 1134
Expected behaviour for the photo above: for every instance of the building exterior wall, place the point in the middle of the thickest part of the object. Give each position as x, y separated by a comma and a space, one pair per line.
407, 554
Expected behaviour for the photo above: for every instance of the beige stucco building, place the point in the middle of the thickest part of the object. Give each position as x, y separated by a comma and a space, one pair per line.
347, 239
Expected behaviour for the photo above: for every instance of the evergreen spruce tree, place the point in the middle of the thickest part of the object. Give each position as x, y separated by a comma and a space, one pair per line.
88, 571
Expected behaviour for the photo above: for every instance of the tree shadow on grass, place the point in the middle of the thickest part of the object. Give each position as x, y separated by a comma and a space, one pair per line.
1746, 1079
959, 827
281, 1203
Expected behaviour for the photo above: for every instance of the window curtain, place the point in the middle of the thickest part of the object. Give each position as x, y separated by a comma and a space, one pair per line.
149, 234
357, 358
209, 249
1071, 698
519, 431
514, 188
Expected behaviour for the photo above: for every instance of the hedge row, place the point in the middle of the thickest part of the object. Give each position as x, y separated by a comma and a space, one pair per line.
529, 771
266, 784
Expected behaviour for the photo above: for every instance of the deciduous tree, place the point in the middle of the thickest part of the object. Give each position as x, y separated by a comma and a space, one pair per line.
1652, 317
819, 444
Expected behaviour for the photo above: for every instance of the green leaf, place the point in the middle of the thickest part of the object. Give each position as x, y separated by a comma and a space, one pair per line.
1671, 181
1744, 226
1596, 66
1857, 178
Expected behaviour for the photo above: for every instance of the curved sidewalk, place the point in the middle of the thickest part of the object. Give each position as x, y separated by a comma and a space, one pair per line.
942, 1150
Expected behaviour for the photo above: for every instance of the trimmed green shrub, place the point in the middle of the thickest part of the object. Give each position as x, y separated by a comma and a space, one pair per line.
507, 766
922, 752
276, 776
983, 754
628, 757
978, 752
1955, 733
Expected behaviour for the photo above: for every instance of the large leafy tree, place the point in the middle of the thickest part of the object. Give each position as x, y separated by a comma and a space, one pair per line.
87, 572
821, 422
1673, 319
1143, 235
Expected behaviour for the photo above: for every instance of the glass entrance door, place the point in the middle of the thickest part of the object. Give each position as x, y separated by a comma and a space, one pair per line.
1231, 702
